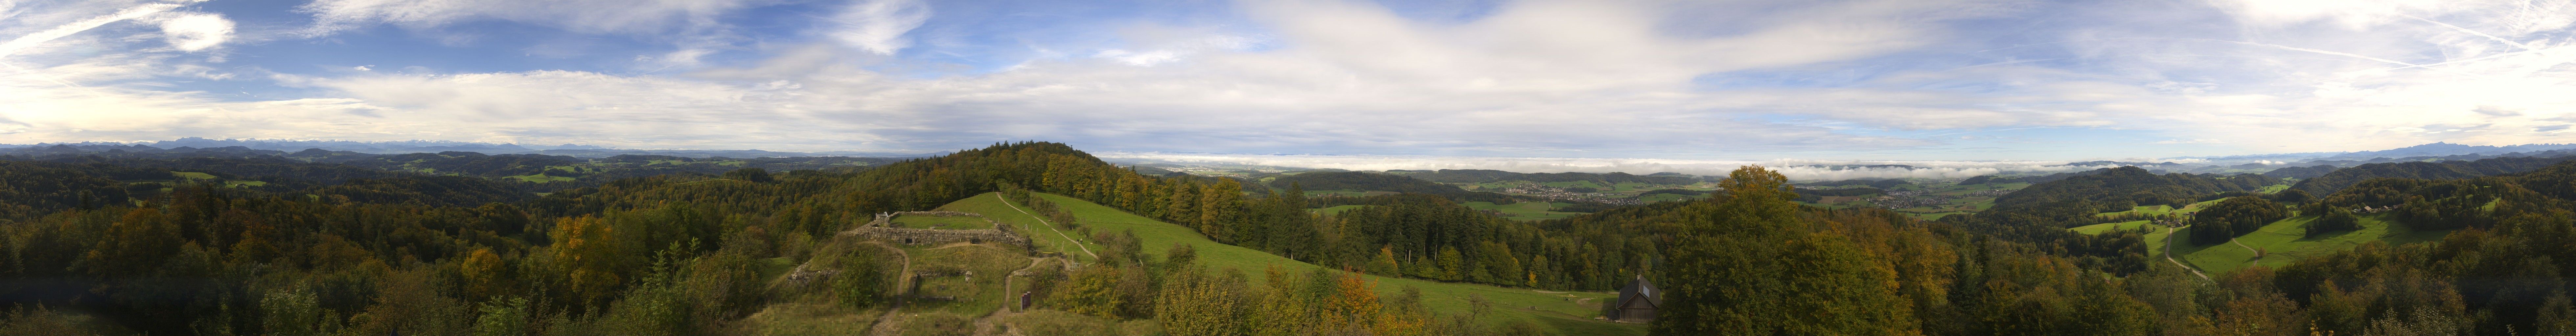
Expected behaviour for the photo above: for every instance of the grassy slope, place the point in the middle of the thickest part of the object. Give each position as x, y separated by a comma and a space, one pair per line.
1554, 311
1047, 240
2283, 242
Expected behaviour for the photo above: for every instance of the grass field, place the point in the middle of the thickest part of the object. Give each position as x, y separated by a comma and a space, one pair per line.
1556, 311
1964, 189
1347, 193
1524, 210
540, 178
975, 295
1671, 197
2148, 210
205, 176
941, 222
2282, 243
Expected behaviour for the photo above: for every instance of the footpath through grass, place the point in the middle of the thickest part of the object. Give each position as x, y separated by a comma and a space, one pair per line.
1558, 312
990, 204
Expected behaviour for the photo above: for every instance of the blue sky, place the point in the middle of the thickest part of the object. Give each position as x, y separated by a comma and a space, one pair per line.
1712, 80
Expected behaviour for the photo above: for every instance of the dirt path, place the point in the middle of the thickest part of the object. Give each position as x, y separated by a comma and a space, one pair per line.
2169, 256
1006, 201
2258, 254
902, 280
990, 323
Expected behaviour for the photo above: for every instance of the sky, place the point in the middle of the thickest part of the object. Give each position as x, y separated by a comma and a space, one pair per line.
1674, 80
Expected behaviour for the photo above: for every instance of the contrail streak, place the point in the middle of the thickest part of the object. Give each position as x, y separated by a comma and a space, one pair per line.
2346, 54
22, 42
2473, 32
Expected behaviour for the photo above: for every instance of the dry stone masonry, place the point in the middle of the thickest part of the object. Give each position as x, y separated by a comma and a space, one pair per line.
883, 229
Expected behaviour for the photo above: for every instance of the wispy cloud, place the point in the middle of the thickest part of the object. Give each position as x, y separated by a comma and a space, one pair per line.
879, 25
24, 42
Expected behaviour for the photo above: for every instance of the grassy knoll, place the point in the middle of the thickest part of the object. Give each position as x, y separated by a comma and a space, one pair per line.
991, 205
2282, 243
941, 222
1555, 311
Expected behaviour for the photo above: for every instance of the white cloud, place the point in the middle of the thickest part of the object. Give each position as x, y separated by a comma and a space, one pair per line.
196, 31
879, 25
1533, 78
1536, 78
24, 42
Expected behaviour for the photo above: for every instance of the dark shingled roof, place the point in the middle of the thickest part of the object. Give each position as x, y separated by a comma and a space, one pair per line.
1640, 289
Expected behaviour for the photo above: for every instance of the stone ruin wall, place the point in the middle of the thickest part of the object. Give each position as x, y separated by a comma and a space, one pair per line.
882, 228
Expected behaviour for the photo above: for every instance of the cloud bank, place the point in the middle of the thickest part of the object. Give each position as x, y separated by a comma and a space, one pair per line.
1985, 79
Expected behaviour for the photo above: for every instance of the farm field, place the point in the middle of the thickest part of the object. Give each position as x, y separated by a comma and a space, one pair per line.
1347, 193
2282, 243
1931, 202
1559, 312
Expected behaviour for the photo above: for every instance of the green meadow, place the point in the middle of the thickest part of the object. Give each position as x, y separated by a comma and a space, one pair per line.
1564, 313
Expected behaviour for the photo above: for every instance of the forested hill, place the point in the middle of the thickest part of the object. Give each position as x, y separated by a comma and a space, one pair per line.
541, 173
1485, 175
2308, 172
2076, 199
2339, 179
711, 254
171, 254
1330, 180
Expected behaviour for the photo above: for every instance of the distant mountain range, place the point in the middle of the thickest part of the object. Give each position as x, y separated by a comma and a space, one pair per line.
2437, 149
428, 146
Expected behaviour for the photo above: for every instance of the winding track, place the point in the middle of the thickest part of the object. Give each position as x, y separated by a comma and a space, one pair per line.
2169, 242
1006, 201
883, 328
